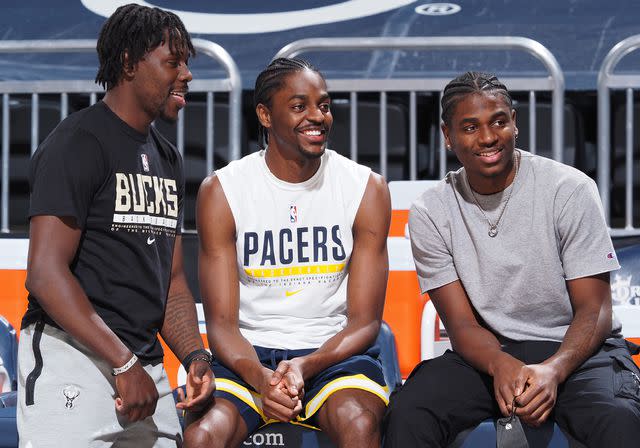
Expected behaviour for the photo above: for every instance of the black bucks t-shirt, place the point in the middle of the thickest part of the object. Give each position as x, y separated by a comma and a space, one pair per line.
125, 191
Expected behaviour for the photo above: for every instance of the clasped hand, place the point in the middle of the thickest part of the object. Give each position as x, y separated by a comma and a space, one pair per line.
534, 385
282, 391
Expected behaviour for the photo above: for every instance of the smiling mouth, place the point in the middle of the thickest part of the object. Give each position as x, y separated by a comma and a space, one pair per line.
179, 94
489, 153
313, 132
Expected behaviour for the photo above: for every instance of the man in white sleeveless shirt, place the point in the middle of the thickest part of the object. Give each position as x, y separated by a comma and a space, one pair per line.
293, 270
515, 254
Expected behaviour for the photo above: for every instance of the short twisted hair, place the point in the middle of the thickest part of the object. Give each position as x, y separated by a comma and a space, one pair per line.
270, 80
468, 83
136, 30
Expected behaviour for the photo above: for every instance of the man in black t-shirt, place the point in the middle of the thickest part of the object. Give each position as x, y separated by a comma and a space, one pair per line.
105, 271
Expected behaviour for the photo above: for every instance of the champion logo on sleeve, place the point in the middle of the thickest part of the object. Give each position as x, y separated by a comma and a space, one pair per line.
611, 256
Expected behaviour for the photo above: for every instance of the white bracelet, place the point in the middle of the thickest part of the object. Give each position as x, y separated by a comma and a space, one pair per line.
124, 368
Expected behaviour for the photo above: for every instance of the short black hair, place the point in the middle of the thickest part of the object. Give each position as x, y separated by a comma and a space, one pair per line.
468, 83
136, 30
270, 80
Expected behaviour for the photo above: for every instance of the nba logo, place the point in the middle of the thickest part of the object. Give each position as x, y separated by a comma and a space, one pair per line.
145, 162
293, 213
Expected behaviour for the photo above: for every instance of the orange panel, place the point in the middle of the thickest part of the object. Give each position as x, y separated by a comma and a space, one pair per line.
403, 313
637, 357
13, 295
399, 219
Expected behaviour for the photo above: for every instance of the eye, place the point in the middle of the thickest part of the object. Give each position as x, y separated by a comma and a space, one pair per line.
469, 128
325, 107
173, 63
298, 107
500, 123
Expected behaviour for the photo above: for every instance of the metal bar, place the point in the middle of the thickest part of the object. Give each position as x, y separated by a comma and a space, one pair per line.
35, 122
383, 134
209, 136
629, 162
64, 105
502, 43
353, 125
235, 91
413, 138
606, 81
93, 98
4, 219
422, 84
443, 152
532, 122
180, 132
232, 84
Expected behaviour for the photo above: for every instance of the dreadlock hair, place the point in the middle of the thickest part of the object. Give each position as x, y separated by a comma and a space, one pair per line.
136, 30
270, 80
470, 82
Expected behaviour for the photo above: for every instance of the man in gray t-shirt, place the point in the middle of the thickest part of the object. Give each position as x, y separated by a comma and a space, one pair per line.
515, 254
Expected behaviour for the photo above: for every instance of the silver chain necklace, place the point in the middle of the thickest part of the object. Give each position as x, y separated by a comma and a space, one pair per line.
493, 228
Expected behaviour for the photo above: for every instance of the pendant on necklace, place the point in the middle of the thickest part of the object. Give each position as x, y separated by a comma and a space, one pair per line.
493, 231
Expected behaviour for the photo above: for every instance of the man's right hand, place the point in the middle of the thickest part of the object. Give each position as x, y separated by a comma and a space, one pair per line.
509, 380
276, 401
137, 393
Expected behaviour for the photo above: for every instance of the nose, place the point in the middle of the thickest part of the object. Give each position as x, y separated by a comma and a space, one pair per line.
315, 115
185, 73
487, 136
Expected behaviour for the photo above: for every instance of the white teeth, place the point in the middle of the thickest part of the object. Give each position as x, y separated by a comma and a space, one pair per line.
489, 154
312, 132
180, 94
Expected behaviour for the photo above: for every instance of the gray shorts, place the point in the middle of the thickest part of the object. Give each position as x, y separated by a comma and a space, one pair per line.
71, 401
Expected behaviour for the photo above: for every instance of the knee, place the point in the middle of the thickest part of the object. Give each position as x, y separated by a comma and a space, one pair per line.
198, 435
364, 424
623, 417
208, 434
406, 423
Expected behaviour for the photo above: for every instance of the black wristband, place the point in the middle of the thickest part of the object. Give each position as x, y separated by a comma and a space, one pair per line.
200, 355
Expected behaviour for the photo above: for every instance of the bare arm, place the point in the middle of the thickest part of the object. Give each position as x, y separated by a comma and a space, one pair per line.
368, 271
591, 324
477, 345
219, 283
180, 332
53, 242
180, 325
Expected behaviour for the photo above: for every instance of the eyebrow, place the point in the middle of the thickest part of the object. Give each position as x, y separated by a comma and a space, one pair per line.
305, 97
493, 117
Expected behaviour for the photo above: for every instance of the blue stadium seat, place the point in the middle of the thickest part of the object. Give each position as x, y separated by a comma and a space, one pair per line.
9, 351
290, 435
549, 435
8, 428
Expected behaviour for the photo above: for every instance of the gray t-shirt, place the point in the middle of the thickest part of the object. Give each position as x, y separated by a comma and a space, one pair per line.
552, 230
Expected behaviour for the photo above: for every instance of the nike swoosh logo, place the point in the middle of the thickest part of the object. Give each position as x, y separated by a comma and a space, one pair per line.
150, 241
292, 293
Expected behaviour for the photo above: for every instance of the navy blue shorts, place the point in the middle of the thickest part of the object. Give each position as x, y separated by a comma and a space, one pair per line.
357, 372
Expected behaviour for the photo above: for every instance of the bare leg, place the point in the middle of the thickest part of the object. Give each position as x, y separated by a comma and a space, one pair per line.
221, 426
351, 418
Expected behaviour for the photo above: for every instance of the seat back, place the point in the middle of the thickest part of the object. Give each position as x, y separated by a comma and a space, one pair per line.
404, 302
9, 353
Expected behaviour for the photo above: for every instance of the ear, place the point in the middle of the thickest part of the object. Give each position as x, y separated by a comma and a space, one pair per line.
445, 133
513, 118
264, 115
128, 69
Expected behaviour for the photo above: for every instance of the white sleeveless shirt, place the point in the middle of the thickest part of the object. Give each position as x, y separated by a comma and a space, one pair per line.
294, 242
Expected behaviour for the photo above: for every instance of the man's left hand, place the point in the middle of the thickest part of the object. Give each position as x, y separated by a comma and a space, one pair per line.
200, 387
539, 397
289, 375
